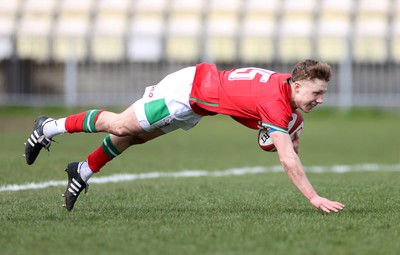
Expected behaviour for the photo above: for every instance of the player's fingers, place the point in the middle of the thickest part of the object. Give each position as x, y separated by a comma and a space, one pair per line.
323, 208
333, 206
327, 208
342, 205
296, 138
338, 205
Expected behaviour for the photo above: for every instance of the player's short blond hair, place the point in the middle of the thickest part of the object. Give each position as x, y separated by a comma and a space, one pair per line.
310, 69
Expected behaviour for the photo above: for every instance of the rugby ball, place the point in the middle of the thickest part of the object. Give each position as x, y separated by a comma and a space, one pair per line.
296, 125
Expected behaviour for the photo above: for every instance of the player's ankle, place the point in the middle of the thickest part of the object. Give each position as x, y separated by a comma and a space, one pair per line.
85, 171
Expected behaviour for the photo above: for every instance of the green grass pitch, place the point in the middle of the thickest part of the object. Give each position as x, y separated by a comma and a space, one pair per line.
247, 214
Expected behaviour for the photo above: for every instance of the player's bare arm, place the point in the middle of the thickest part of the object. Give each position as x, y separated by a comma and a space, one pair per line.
295, 171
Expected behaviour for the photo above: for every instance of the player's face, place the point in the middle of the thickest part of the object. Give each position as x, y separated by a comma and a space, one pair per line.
309, 93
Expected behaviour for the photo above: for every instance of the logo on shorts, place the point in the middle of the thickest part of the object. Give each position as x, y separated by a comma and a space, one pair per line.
164, 122
151, 91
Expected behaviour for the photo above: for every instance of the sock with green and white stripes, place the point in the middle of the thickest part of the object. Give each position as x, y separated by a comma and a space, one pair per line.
103, 154
82, 122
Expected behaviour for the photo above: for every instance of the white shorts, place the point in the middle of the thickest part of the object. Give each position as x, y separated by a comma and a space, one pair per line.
166, 105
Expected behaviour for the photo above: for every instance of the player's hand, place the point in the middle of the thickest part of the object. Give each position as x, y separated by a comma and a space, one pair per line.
326, 205
296, 142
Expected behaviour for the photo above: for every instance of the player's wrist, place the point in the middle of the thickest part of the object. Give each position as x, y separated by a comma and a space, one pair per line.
314, 197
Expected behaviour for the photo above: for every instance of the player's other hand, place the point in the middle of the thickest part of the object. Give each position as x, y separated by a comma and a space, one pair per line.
296, 142
326, 205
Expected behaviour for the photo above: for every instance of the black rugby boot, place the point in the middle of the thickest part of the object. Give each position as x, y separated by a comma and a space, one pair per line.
37, 140
75, 185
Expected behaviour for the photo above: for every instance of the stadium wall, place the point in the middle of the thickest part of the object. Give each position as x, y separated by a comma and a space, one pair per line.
24, 82
102, 52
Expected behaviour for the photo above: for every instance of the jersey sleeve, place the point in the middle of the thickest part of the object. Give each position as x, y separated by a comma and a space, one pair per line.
250, 123
275, 115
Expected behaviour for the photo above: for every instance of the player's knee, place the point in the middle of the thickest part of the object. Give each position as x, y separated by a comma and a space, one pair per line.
120, 131
124, 124
137, 139
141, 137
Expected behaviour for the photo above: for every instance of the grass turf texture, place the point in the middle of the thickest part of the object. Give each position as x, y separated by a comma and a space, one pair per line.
251, 214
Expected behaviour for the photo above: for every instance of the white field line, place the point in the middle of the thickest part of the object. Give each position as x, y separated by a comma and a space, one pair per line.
202, 173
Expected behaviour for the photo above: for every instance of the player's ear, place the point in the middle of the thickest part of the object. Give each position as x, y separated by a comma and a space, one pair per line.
297, 85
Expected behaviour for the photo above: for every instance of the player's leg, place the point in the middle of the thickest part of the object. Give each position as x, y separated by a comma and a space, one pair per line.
157, 109
121, 124
45, 128
91, 121
112, 146
127, 126
163, 109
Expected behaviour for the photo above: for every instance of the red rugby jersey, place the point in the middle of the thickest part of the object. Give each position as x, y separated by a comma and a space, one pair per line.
253, 96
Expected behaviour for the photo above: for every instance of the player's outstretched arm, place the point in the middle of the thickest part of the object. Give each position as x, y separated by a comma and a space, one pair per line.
295, 171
